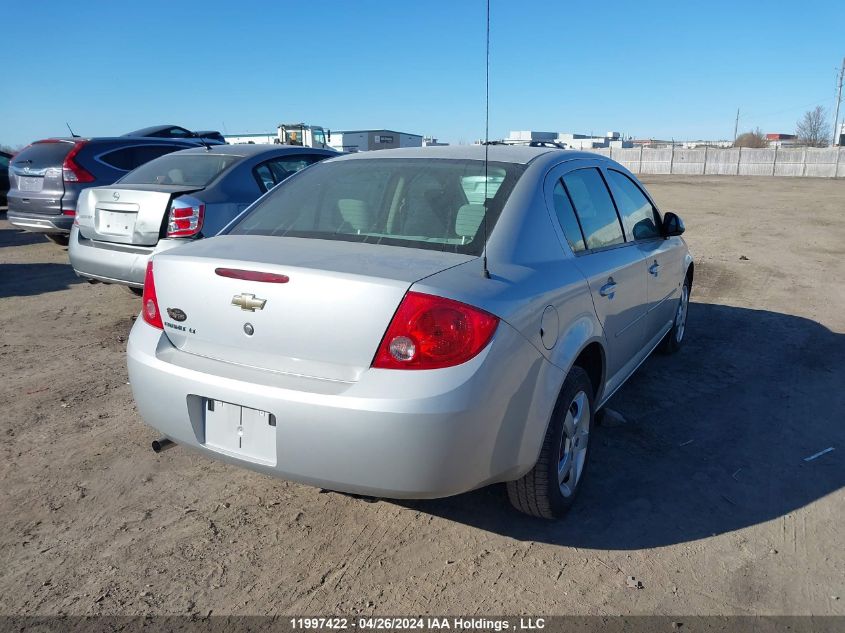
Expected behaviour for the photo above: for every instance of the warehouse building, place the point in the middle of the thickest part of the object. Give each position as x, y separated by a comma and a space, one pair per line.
368, 140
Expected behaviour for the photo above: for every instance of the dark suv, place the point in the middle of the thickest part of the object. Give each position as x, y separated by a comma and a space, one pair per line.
47, 176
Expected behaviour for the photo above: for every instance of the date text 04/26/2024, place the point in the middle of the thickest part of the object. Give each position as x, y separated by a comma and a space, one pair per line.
416, 623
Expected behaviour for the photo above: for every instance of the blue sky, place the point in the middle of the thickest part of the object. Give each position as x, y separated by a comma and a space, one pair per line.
649, 69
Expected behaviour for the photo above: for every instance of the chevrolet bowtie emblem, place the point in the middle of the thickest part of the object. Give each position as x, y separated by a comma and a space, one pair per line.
248, 302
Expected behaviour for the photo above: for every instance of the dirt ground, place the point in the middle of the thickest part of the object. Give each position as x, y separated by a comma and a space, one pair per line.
704, 494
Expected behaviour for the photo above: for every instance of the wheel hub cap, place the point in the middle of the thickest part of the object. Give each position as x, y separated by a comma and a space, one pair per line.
573, 444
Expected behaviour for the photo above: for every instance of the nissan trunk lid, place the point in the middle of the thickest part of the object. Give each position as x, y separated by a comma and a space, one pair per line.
127, 214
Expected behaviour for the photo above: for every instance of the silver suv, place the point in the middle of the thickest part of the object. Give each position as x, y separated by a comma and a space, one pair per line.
47, 176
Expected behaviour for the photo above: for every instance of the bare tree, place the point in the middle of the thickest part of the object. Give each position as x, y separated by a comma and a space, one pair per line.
753, 138
812, 129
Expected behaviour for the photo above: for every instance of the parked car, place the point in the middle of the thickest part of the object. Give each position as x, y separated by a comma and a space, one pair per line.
5, 157
175, 131
47, 176
183, 196
358, 330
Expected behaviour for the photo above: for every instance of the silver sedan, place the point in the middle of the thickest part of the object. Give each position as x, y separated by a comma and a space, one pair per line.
415, 323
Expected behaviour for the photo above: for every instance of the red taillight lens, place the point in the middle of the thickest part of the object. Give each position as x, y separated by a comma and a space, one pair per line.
70, 212
185, 221
149, 302
71, 171
429, 332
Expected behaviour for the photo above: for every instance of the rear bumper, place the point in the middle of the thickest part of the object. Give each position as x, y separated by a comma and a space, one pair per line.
397, 434
110, 262
39, 223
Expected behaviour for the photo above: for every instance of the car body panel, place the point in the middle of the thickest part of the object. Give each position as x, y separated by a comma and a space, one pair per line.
426, 433
325, 322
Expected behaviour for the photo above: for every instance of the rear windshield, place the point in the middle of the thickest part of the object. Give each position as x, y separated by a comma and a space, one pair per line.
40, 155
195, 170
419, 203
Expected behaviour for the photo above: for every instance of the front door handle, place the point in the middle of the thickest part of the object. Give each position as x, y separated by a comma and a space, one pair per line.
608, 289
654, 269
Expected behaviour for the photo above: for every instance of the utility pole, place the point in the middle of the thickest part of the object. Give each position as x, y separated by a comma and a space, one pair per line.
736, 125
838, 102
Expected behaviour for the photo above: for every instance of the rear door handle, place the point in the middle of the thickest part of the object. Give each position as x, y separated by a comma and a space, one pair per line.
608, 289
654, 269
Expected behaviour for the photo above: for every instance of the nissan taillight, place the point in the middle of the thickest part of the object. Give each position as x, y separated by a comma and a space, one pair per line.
149, 301
71, 171
186, 217
429, 332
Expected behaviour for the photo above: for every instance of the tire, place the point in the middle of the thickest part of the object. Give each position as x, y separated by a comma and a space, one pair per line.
541, 492
674, 339
138, 292
58, 238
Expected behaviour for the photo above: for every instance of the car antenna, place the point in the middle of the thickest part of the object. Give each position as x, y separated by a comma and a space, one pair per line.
204, 142
486, 271
71, 131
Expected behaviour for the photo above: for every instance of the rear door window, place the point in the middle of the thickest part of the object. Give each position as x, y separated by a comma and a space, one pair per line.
638, 215
566, 216
128, 158
270, 173
594, 207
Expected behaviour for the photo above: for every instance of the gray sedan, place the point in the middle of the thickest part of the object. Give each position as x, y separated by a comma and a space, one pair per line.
171, 200
415, 323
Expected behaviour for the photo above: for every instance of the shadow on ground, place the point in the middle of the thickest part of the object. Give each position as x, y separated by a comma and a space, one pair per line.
16, 237
22, 280
716, 440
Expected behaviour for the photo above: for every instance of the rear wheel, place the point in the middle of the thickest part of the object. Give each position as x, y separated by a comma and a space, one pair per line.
58, 238
548, 490
675, 337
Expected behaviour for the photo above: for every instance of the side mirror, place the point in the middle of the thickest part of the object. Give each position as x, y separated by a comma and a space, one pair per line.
672, 225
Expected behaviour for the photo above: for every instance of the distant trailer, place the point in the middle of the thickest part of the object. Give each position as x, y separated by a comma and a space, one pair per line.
259, 139
368, 140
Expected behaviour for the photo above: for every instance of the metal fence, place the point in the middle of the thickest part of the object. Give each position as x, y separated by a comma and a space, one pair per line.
826, 162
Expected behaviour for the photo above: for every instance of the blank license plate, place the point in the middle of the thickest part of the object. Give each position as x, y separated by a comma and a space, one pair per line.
116, 223
240, 431
30, 183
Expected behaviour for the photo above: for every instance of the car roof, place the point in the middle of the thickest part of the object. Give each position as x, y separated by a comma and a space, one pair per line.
519, 154
152, 129
250, 149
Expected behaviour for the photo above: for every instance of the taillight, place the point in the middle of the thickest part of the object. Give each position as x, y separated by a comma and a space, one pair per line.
185, 218
71, 171
429, 332
149, 302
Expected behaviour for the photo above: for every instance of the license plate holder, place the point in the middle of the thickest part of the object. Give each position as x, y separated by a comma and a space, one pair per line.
30, 183
115, 222
239, 431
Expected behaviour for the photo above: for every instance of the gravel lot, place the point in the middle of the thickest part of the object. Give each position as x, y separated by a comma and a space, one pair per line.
704, 494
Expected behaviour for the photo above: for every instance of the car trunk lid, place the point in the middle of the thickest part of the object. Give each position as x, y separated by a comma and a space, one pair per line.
326, 321
127, 214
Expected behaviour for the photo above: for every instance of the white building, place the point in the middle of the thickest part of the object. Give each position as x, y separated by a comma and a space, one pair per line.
368, 140
570, 139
